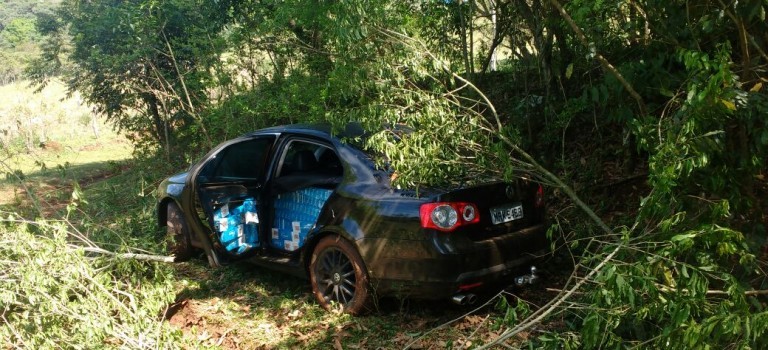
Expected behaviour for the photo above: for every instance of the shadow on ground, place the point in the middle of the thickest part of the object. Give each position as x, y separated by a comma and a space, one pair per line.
244, 306
52, 188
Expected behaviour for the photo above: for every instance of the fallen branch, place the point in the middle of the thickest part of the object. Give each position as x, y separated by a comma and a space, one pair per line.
132, 256
557, 290
709, 292
717, 292
747, 293
550, 307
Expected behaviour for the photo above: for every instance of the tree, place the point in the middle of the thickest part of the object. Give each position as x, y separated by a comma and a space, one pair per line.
17, 31
144, 65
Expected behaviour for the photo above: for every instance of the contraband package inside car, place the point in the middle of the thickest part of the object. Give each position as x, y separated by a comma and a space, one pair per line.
295, 215
237, 223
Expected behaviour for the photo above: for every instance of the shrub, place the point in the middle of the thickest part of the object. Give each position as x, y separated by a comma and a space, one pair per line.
54, 294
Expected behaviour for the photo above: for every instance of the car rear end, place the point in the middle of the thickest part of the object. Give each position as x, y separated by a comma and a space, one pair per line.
472, 238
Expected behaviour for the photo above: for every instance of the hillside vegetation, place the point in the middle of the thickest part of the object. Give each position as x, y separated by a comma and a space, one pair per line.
645, 118
20, 41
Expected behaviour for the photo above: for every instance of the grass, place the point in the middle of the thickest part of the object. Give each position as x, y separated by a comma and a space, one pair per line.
250, 307
75, 154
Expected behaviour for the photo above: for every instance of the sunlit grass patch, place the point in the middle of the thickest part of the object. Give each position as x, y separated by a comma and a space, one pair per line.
246, 306
50, 140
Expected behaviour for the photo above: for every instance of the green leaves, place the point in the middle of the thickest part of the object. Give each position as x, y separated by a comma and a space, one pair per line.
52, 293
144, 65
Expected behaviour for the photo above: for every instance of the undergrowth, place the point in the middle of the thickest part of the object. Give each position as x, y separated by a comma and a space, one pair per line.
53, 294
58, 289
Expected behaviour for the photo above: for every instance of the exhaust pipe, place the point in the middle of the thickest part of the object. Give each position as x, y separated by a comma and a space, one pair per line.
464, 299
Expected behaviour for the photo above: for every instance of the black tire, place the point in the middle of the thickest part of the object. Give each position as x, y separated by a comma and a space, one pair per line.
177, 240
339, 277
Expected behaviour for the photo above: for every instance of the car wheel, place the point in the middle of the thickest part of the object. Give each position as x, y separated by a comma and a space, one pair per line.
338, 276
177, 239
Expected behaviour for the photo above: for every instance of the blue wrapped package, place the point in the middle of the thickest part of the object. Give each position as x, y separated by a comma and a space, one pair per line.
295, 215
237, 226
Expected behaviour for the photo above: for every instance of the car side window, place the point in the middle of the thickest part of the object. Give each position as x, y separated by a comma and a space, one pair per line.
243, 160
302, 157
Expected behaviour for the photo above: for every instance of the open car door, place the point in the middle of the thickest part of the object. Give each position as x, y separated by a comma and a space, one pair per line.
229, 190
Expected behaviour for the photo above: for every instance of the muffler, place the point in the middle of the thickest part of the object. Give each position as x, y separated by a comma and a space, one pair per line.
464, 299
530, 278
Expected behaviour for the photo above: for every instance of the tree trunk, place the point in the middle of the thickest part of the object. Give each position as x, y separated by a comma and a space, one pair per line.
464, 44
161, 130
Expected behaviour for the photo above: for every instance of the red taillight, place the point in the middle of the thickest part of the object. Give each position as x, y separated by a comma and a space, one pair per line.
466, 287
447, 216
539, 202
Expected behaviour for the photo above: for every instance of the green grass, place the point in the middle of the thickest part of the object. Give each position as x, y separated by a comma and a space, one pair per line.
256, 307
75, 155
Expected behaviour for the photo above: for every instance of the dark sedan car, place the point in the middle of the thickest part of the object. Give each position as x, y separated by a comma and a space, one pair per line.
302, 201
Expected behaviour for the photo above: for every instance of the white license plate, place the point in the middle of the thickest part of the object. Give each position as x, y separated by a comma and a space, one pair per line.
506, 213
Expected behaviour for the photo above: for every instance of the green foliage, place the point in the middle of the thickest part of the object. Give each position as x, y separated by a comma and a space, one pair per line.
144, 65
53, 294
194, 73
19, 30
19, 39
18, 46
681, 275
669, 292
58, 288
512, 313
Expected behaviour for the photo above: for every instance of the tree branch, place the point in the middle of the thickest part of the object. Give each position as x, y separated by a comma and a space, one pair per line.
603, 61
553, 304
132, 256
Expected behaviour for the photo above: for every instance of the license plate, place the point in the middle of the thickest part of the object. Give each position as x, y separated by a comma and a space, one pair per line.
506, 213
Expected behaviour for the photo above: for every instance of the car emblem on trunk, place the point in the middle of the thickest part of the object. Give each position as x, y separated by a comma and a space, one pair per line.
510, 192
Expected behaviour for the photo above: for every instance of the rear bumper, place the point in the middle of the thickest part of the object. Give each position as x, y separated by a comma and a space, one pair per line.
443, 265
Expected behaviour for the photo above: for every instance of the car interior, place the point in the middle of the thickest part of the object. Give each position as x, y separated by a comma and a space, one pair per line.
306, 175
306, 178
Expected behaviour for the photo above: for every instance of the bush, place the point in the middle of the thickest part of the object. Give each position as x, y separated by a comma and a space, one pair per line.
53, 294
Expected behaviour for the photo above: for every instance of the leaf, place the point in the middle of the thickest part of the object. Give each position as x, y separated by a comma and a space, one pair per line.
757, 87
337, 344
728, 104
337, 339
474, 319
681, 237
569, 71
669, 278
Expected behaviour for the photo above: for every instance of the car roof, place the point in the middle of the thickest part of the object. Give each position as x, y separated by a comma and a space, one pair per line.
351, 130
356, 159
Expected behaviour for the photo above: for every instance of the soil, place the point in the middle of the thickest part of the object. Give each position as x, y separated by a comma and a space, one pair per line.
54, 194
188, 315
